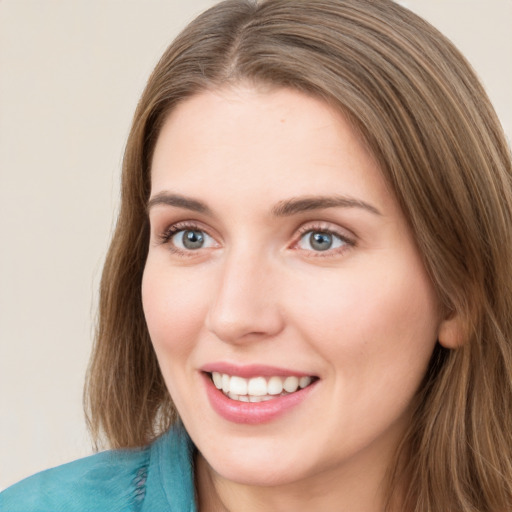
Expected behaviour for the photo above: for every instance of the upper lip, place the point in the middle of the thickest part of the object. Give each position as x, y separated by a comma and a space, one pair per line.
252, 370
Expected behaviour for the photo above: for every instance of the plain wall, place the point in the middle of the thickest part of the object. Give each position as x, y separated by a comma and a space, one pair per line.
70, 77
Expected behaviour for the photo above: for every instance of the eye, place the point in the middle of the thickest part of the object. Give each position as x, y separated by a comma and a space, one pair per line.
320, 241
191, 239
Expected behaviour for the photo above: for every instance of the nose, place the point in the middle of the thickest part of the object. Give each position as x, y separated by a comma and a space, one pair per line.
245, 306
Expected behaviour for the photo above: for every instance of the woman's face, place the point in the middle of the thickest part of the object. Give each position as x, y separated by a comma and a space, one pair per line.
279, 257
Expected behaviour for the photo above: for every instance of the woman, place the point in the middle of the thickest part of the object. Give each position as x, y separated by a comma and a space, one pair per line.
311, 270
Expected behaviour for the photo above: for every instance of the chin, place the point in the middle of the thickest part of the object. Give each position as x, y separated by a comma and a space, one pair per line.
262, 463
265, 474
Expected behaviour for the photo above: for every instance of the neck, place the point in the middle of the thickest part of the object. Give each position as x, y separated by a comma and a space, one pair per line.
354, 489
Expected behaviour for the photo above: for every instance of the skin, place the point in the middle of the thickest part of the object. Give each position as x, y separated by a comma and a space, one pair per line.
361, 316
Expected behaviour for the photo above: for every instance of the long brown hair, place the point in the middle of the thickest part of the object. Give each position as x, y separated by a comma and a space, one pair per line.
425, 117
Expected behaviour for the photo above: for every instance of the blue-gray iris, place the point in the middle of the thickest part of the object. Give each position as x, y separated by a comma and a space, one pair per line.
320, 241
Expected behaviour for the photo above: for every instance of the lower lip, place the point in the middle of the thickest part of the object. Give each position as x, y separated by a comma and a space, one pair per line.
253, 413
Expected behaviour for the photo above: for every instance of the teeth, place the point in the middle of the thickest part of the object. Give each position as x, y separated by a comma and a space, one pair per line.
225, 383
258, 389
275, 386
217, 380
304, 382
238, 385
291, 384
257, 386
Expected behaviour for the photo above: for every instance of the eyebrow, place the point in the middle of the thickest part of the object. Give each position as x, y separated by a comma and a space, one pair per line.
284, 208
303, 204
178, 201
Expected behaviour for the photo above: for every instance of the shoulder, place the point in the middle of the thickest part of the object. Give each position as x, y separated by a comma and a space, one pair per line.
83, 485
117, 480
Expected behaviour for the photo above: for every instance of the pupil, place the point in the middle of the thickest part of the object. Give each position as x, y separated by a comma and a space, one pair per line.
320, 241
193, 239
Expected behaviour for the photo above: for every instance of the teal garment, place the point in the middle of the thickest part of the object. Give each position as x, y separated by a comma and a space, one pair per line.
154, 479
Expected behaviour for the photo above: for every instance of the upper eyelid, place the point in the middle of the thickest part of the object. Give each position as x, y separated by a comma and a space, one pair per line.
328, 227
346, 240
164, 235
305, 227
183, 225
165, 238
328, 231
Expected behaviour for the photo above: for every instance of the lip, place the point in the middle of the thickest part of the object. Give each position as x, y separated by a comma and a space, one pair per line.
252, 370
253, 413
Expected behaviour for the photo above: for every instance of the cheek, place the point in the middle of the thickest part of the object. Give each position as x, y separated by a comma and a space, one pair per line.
378, 316
174, 306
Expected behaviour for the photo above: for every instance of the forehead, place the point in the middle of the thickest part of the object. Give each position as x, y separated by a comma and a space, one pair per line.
262, 142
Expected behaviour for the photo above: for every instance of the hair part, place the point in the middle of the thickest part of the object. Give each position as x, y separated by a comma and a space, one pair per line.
425, 117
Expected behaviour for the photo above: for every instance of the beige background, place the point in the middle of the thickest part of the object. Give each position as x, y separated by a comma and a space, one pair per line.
70, 76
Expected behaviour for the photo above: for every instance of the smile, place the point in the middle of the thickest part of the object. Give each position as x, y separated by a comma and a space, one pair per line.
258, 389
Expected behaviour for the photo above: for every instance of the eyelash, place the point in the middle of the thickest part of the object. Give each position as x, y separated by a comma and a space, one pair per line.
165, 238
322, 228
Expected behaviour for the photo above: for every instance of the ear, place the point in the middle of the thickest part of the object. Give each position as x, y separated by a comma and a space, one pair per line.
451, 333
